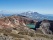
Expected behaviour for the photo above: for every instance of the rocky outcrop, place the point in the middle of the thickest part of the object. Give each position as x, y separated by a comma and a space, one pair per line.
45, 27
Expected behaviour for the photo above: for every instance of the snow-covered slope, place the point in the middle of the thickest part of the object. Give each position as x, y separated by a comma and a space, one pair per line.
36, 15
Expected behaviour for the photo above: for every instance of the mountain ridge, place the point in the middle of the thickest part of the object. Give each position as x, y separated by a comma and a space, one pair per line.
30, 14
36, 15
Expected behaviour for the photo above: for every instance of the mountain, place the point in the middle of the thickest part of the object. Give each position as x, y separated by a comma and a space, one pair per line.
30, 14
49, 14
5, 13
14, 28
36, 15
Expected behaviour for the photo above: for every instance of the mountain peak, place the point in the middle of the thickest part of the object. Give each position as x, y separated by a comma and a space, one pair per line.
29, 12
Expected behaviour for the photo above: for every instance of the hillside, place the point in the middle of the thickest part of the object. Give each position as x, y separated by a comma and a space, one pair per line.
14, 28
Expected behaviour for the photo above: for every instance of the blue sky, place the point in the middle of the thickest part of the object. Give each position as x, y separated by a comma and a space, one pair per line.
40, 6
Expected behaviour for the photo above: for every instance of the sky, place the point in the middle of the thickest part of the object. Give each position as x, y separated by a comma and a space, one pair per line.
40, 6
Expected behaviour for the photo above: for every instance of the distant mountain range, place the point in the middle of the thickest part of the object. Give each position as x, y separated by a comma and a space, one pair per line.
32, 15
36, 15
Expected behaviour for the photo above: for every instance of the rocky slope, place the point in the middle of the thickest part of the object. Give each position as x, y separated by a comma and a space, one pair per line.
14, 28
